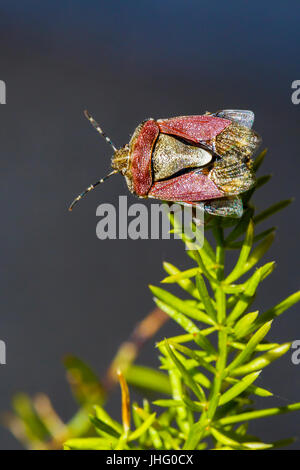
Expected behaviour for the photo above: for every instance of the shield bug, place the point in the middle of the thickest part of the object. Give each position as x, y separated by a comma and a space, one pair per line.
189, 159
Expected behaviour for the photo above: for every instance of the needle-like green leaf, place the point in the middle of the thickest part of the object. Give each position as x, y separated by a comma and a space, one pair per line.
104, 428
262, 361
196, 388
259, 251
278, 309
257, 238
247, 295
272, 210
145, 378
245, 251
182, 279
242, 326
180, 305
204, 296
238, 388
240, 227
248, 416
142, 429
88, 443
178, 317
259, 160
250, 348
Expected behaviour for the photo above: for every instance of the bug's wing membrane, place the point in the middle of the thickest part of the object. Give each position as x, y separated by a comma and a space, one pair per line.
231, 206
240, 116
192, 186
233, 175
225, 207
194, 128
238, 141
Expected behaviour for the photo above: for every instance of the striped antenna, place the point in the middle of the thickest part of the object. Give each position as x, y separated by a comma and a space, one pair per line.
90, 188
98, 128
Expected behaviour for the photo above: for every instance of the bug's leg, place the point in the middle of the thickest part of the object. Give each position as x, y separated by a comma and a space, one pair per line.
225, 207
90, 188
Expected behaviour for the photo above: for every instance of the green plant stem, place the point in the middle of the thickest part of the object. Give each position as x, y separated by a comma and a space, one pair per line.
222, 334
220, 250
258, 414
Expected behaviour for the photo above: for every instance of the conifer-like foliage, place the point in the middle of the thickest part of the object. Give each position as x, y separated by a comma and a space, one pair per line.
206, 386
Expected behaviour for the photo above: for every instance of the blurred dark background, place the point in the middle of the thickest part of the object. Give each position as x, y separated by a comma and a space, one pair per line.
62, 289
